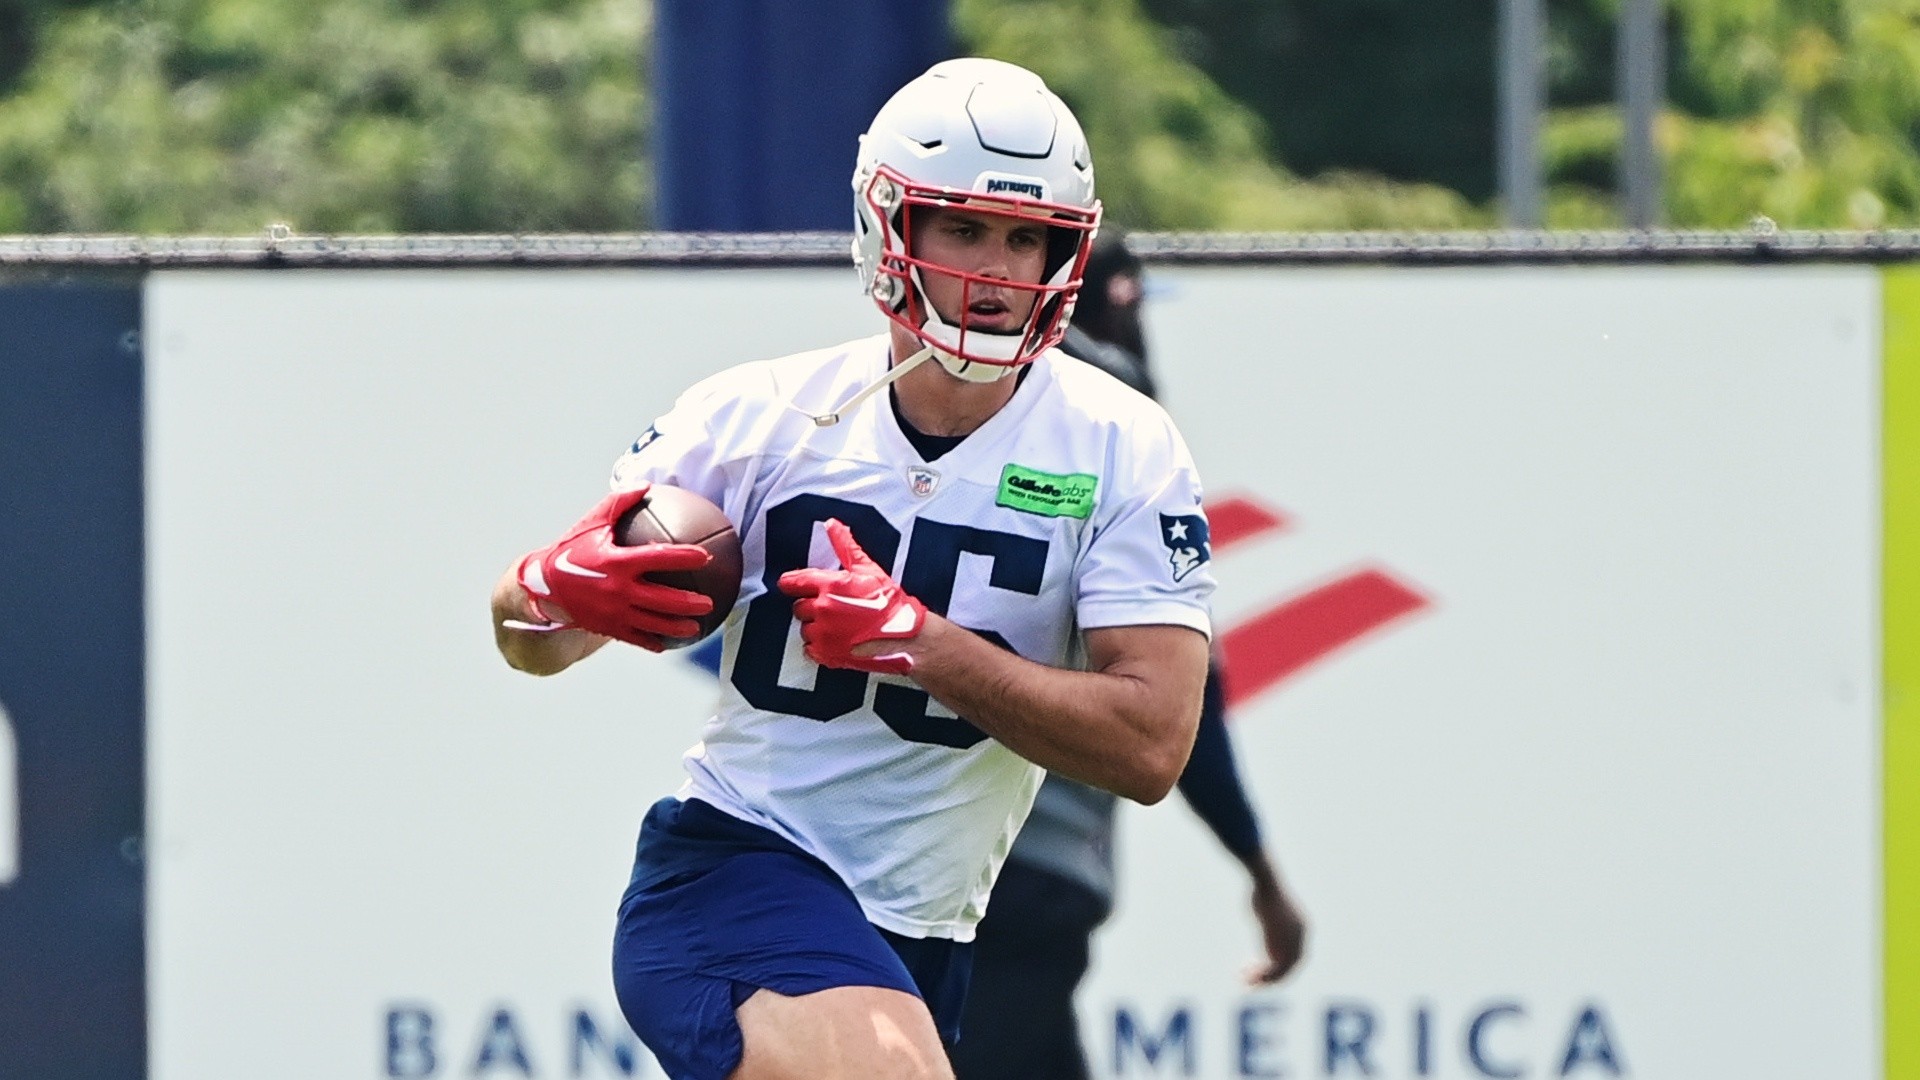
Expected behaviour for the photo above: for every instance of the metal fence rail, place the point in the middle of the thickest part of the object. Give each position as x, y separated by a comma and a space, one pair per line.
279, 247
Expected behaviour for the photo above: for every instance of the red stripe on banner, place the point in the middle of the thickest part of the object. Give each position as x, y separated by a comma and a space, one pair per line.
1232, 520
1278, 642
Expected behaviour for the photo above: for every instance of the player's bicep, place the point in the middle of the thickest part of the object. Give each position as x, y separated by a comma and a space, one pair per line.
1168, 662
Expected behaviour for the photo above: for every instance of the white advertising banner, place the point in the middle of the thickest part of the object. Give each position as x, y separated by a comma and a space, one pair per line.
1551, 598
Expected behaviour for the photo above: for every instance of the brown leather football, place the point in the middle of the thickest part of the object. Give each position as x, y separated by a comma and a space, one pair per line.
671, 515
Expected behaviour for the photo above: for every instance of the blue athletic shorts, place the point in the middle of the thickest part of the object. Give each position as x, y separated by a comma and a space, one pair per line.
719, 908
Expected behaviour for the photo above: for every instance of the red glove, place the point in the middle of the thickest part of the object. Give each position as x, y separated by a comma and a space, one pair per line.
858, 603
585, 580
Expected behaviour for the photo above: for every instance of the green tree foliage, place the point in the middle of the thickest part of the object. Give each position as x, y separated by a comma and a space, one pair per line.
1172, 150
221, 116
1805, 111
1401, 88
20, 23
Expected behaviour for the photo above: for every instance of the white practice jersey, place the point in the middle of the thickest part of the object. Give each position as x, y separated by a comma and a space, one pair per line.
1076, 506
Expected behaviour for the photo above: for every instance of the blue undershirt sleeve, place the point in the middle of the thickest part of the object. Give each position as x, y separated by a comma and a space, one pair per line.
1211, 782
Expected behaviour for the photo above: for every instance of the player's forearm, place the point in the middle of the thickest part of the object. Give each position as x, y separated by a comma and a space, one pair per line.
1260, 869
1111, 729
531, 651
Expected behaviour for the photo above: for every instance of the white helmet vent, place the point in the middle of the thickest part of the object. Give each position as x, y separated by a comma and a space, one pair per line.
1012, 120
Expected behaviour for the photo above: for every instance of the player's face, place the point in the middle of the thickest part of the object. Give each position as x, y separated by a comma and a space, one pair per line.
987, 245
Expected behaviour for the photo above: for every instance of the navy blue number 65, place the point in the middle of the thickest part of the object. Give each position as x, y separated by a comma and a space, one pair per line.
1019, 564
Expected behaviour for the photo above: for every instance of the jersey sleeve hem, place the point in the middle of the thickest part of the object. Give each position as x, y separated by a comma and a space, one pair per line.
1103, 614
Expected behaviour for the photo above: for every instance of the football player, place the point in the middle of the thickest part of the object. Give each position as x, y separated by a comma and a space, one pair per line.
1057, 885
1001, 567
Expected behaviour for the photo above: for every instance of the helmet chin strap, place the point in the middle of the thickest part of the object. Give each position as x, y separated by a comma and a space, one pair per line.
972, 370
899, 369
944, 333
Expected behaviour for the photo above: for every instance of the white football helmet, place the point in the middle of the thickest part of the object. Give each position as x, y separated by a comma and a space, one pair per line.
989, 136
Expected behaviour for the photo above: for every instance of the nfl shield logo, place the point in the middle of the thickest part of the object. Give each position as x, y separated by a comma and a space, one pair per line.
922, 480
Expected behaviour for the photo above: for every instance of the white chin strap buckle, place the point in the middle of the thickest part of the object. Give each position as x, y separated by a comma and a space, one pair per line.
899, 369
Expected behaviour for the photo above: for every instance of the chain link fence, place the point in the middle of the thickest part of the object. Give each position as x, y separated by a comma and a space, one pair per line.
280, 247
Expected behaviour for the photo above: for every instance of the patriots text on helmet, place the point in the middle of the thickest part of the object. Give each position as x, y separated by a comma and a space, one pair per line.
1031, 188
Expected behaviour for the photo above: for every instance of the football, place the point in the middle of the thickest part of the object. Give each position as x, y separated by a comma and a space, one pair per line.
671, 515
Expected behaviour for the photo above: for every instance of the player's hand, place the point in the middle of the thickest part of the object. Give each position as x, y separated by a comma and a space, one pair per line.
586, 581
840, 610
1282, 931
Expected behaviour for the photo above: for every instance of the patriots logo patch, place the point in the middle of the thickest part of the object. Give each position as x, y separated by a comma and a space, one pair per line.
630, 468
1185, 536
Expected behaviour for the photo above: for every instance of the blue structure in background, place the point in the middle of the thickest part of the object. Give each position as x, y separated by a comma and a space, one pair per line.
759, 105
72, 682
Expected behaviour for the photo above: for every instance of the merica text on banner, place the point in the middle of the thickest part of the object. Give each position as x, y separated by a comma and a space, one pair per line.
1501, 1039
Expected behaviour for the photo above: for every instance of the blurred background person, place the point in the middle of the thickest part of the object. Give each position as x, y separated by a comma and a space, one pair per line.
1057, 887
